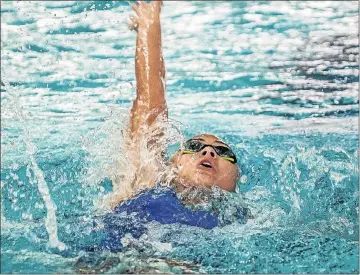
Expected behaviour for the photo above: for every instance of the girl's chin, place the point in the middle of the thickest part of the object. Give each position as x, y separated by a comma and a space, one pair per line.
204, 180
198, 179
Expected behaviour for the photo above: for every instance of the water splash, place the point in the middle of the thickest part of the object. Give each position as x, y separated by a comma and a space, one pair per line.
112, 155
50, 220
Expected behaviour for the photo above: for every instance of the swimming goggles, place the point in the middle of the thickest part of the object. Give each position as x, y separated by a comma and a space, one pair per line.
193, 146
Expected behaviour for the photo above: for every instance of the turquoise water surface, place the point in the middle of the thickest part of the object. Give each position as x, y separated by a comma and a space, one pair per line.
278, 81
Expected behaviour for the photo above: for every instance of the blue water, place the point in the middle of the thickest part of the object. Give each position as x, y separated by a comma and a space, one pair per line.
276, 80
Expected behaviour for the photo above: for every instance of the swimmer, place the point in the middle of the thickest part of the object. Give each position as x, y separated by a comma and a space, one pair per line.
204, 160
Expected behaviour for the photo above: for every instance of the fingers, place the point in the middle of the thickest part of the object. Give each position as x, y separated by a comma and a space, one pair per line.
135, 7
143, 13
133, 23
157, 3
139, 6
142, 3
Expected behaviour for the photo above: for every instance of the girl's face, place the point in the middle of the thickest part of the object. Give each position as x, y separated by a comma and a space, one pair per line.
206, 167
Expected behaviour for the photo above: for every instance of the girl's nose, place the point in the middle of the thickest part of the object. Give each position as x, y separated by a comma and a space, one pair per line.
208, 150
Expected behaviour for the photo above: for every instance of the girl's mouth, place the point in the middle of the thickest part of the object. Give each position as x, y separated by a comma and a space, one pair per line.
206, 164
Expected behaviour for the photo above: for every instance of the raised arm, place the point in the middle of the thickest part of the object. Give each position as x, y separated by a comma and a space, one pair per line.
148, 108
150, 100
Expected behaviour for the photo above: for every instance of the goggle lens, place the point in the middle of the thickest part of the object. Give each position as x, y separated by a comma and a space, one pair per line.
193, 146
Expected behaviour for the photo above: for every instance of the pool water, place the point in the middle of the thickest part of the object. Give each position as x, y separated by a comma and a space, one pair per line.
277, 80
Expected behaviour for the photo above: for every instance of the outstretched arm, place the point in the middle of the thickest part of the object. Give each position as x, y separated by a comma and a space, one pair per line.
149, 104
150, 100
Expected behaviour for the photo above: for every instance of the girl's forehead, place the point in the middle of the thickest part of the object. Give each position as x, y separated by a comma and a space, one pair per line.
208, 138
205, 137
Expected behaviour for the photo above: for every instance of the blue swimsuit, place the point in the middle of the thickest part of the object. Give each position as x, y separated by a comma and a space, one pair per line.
159, 204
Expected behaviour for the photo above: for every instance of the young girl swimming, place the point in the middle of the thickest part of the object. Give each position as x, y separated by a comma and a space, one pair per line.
202, 163
204, 160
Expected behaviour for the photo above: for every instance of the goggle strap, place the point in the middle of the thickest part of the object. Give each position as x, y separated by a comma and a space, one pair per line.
229, 159
188, 152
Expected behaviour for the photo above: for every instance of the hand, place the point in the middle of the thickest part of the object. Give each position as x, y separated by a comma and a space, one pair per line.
146, 14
